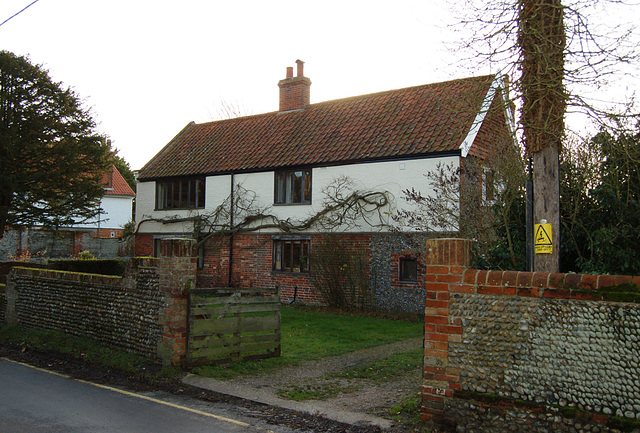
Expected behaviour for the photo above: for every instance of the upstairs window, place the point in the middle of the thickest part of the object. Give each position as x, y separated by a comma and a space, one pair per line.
293, 187
291, 255
180, 194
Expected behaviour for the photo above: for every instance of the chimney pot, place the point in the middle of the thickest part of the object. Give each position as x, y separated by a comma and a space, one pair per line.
300, 64
289, 71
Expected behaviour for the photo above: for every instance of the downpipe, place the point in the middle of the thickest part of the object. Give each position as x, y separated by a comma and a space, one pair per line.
295, 295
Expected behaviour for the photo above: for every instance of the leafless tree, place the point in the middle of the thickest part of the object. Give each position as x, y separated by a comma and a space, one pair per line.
477, 201
600, 49
552, 50
225, 109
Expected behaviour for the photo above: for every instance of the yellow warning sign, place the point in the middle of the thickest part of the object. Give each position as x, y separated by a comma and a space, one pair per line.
543, 239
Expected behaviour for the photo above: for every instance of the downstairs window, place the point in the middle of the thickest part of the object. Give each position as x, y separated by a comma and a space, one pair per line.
291, 255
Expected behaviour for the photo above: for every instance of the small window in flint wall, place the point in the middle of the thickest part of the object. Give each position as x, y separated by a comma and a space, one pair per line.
408, 269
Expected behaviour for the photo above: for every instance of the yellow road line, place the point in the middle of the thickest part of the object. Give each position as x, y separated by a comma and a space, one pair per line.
55, 373
144, 397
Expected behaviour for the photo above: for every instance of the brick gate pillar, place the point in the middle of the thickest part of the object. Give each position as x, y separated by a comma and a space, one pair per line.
446, 261
177, 267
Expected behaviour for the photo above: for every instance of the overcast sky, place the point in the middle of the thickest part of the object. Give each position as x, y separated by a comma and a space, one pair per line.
149, 67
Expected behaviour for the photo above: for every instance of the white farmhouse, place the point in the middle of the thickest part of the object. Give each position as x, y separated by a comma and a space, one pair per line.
306, 170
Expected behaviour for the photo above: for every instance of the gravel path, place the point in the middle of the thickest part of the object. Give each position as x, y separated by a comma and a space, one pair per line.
359, 395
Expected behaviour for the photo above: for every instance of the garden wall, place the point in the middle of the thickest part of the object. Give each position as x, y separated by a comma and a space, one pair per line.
5, 268
143, 313
522, 351
118, 312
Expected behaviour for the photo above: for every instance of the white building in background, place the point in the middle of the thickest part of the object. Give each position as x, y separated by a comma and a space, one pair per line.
116, 207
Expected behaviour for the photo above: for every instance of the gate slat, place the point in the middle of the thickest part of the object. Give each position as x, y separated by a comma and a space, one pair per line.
234, 325
222, 352
215, 341
233, 309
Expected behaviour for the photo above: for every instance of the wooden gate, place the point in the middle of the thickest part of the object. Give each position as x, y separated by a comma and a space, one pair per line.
230, 325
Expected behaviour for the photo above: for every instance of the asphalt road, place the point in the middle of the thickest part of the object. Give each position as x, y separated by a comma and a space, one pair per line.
33, 400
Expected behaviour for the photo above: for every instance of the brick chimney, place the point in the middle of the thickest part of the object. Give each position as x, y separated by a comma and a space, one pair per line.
294, 91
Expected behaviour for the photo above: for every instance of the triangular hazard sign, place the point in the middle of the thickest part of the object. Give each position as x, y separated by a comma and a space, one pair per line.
542, 236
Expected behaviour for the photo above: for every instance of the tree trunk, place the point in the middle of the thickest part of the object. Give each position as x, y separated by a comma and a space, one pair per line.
542, 42
546, 204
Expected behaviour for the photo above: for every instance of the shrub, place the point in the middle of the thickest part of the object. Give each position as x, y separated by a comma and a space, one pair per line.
86, 255
88, 266
340, 273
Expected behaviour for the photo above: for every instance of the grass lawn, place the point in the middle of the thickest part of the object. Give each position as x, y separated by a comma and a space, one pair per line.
309, 334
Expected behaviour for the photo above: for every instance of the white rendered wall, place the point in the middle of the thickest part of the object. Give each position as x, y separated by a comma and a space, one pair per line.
116, 212
391, 177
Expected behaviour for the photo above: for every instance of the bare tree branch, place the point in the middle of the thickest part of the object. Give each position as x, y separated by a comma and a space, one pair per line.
343, 208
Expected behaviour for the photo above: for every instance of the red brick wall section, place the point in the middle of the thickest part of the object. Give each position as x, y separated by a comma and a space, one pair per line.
448, 275
106, 233
446, 260
252, 266
144, 245
177, 274
215, 272
77, 244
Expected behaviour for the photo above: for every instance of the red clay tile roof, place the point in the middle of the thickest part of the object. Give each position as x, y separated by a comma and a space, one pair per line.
114, 183
398, 123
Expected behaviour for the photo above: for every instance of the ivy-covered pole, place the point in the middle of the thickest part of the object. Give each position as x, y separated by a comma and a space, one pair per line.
542, 44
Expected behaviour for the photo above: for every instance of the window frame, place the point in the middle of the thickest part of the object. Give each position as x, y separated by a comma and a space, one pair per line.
402, 271
180, 194
284, 188
284, 255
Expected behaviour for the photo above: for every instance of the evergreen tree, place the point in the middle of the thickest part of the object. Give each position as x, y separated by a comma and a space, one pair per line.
125, 170
51, 157
615, 232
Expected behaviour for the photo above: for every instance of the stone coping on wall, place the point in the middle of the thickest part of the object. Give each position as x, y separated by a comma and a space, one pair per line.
533, 284
66, 275
134, 264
